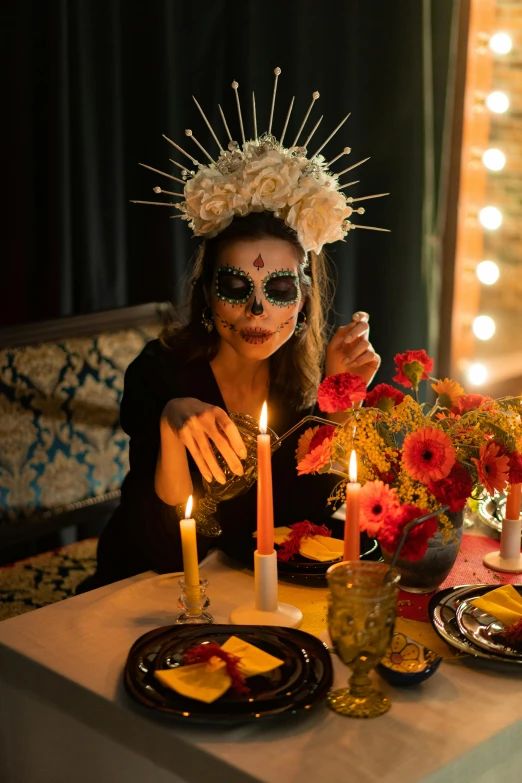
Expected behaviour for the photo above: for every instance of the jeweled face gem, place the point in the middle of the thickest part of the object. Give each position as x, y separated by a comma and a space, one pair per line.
232, 285
281, 288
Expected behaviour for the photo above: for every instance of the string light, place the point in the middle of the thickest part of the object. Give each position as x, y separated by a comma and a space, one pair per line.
494, 159
497, 102
490, 217
484, 327
500, 43
477, 374
487, 272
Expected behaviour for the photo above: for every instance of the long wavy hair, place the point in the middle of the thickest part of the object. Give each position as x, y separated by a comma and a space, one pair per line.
296, 367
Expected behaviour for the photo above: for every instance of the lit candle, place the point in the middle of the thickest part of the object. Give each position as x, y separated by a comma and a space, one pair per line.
265, 502
352, 547
189, 547
513, 501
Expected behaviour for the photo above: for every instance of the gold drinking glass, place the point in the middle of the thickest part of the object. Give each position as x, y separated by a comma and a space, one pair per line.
362, 604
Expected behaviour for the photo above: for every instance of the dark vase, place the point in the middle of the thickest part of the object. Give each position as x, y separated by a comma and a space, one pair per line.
426, 574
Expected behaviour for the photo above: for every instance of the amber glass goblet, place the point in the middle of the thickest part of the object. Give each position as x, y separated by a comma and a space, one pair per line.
362, 604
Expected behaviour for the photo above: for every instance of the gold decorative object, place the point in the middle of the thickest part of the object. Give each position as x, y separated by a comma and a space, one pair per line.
248, 426
362, 604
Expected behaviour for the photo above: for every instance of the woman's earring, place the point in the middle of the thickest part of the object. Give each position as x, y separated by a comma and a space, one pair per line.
301, 323
207, 320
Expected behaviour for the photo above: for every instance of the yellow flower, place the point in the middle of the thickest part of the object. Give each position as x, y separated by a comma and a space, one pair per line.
448, 392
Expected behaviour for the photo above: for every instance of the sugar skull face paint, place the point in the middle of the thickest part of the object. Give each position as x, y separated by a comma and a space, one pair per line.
232, 285
281, 288
247, 307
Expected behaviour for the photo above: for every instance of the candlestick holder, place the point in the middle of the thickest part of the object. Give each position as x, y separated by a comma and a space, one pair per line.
266, 609
193, 600
509, 559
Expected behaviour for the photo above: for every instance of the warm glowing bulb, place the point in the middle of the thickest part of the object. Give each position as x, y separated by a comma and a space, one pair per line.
477, 374
188, 508
497, 102
501, 43
487, 272
490, 217
352, 467
494, 159
484, 327
263, 419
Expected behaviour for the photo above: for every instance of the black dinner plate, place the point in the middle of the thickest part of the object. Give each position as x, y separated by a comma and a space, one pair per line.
301, 682
301, 570
442, 613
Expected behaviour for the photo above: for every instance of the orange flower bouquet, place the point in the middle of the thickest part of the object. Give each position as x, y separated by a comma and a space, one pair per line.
414, 458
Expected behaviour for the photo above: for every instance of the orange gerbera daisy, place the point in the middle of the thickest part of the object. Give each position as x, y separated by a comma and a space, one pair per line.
492, 467
316, 459
428, 454
303, 444
448, 392
377, 502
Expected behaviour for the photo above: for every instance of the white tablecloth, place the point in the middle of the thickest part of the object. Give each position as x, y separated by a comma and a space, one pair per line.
65, 717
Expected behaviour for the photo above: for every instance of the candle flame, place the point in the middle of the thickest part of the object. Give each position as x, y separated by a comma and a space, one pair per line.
352, 468
263, 419
188, 508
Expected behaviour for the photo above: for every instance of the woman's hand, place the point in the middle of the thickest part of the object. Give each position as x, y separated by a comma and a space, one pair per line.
196, 423
350, 350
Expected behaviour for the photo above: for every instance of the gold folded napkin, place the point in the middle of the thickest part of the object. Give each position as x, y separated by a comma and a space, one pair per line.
208, 681
322, 548
504, 603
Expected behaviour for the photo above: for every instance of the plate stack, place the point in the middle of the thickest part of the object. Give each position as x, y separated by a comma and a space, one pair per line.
469, 629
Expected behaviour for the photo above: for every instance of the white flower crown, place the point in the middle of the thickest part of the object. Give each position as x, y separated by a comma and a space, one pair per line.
263, 174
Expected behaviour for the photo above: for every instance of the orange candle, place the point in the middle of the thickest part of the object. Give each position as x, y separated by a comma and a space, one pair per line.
352, 546
513, 501
265, 502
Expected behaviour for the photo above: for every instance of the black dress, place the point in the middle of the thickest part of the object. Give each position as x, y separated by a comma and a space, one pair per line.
143, 533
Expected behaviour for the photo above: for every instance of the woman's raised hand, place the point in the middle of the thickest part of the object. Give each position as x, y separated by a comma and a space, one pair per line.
196, 423
350, 350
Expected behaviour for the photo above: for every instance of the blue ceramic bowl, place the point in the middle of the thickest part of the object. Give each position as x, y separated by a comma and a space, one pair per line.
407, 662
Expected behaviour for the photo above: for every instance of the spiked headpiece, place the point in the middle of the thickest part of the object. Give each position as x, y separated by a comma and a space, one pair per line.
262, 174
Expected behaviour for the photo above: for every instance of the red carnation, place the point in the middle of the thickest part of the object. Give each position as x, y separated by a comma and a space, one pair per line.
454, 490
416, 543
339, 392
469, 402
384, 397
515, 468
412, 367
321, 434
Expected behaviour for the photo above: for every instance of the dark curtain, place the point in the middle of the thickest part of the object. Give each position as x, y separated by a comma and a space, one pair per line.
93, 84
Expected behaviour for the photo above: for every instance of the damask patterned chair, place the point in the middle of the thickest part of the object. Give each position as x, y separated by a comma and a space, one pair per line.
63, 454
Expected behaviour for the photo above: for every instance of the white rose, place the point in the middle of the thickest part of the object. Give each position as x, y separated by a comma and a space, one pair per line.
216, 206
318, 218
270, 181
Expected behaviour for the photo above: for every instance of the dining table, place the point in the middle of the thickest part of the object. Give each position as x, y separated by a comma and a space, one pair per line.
66, 717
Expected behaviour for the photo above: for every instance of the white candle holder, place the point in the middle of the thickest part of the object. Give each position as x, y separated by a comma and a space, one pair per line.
508, 559
266, 609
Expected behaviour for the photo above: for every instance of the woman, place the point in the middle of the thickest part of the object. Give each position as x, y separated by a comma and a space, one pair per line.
179, 391
255, 333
